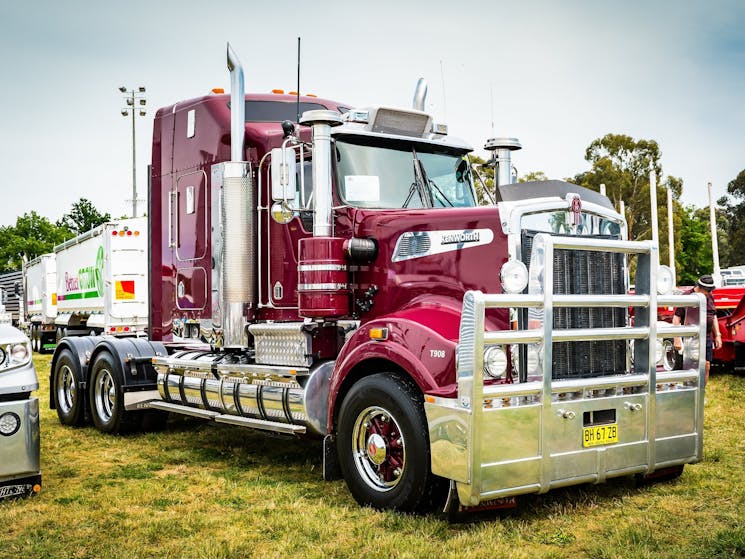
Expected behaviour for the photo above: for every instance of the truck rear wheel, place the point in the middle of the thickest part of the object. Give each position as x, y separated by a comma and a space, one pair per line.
383, 446
68, 397
106, 397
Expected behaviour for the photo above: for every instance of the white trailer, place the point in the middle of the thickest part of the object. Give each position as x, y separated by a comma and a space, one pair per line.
102, 282
40, 295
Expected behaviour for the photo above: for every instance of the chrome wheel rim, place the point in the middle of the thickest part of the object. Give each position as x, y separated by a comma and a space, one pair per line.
378, 448
66, 389
104, 395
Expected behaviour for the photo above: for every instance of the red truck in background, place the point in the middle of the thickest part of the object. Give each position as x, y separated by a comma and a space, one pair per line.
730, 306
338, 280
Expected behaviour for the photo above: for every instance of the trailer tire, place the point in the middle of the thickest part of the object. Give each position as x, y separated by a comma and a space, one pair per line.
69, 397
383, 446
106, 397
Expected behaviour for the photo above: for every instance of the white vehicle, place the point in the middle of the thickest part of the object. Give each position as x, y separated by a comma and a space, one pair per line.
20, 473
40, 289
102, 280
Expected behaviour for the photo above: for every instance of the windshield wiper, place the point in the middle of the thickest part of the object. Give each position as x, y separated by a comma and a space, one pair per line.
419, 185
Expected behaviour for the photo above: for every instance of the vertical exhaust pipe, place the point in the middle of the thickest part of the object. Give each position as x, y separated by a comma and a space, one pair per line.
502, 148
321, 122
420, 95
237, 106
237, 263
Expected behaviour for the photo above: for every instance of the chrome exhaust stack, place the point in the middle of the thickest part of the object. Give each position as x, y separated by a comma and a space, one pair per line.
321, 122
420, 95
501, 147
236, 249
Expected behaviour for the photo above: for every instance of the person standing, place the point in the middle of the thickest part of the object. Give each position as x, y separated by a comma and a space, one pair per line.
683, 315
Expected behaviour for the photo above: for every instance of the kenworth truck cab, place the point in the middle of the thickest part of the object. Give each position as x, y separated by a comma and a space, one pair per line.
339, 281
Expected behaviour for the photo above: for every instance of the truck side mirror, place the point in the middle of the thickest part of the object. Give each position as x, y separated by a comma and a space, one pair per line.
284, 170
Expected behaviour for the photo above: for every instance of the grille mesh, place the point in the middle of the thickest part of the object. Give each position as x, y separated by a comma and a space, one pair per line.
586, 272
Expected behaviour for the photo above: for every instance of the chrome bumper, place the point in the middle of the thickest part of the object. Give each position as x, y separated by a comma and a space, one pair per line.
19, 448
509, 439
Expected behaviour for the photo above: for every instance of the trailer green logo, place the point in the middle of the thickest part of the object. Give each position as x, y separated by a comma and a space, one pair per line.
99, 271
88, 283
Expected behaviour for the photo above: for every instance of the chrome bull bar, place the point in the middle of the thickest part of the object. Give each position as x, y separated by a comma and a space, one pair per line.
499, 440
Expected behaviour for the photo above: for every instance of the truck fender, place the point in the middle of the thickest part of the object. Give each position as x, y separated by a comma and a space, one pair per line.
424, 354
133, 356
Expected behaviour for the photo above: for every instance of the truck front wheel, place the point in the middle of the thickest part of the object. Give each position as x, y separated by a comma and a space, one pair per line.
383, 446
106, 397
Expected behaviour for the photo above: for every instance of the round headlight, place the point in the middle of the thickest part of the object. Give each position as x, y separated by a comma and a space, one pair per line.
691, 349
658, 352
9, 424
495, 362
19, 353
514, 276
665, 281
534, 359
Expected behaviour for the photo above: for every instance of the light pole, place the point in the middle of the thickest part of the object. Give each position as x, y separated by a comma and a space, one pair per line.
133, 98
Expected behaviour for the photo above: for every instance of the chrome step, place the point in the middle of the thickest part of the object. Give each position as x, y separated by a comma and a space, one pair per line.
183, 410
217, 417
261, 424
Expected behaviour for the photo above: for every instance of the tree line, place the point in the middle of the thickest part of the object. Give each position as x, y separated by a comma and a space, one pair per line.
33, 234
622, 164
618, 161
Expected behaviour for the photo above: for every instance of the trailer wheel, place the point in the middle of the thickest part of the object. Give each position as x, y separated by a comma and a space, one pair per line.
107, 399
69, 399
383, 446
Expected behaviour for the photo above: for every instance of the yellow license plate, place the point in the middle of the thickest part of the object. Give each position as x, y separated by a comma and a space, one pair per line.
600, 434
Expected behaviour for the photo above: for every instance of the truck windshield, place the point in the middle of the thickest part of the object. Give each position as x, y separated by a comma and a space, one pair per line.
402, 174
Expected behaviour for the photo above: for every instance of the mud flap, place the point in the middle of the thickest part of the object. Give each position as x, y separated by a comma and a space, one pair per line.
331, 469
456, 512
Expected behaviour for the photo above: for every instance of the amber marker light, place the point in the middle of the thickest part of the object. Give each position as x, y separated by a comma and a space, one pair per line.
278, 91
218, 90
37, 488
429, 399
378, 334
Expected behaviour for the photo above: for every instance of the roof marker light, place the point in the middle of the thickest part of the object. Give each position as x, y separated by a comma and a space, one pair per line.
218, 90
278, 91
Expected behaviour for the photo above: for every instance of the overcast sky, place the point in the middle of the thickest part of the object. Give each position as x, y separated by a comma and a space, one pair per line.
556, 75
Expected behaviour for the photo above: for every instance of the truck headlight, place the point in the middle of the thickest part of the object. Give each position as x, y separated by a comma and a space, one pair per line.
691, 350
534, 365
20, 354
658, 352
495, 362
514, 276
665, 282
9, 424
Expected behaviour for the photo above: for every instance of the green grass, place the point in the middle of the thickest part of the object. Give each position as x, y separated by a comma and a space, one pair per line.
206, 491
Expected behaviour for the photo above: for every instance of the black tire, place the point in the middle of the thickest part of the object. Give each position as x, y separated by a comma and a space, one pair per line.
383, 446
69, 399
106, 398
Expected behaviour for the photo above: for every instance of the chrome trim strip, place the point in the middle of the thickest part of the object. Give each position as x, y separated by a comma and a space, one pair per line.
321, 286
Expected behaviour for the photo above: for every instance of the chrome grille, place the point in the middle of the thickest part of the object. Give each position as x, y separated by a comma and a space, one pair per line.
586, 272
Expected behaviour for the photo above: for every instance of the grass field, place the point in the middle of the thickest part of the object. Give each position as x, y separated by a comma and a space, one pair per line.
199, 490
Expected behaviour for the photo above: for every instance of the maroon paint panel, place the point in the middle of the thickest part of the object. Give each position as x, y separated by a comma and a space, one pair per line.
180, 238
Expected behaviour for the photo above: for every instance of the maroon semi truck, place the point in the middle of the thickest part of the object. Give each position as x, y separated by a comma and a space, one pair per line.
339, 280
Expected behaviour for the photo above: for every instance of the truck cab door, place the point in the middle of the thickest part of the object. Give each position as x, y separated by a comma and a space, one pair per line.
189, 237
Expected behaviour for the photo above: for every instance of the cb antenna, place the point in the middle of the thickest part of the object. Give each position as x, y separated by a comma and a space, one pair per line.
297, 91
